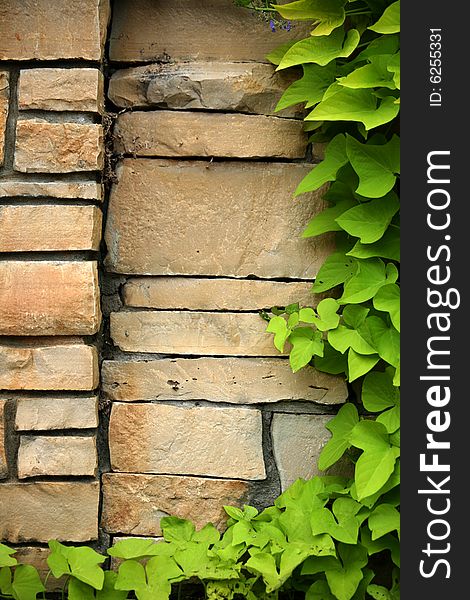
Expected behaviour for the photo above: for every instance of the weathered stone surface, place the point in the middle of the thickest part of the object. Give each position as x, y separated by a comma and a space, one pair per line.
57, 456
297, 443
48, 365
134, 504
234, 380
3, 455
44, 30
49, 298
159, 438
47, 227
245, 87
215, 294
147, 30
37, 557
43, 147
195, 333
61, 89
4, 98
173, 133
42, 511
86, 190
227, 218
48, 413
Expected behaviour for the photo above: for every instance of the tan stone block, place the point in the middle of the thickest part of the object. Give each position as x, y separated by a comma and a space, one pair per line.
48, 365
57, 456
4, 99
45, 30
49, 298
134, 504
61, 89
86, 190
173, 133
233, 380
42, 413
226, 218
41, 511
43, 147
215, 294
195, 333
159, 438
3, 454
148, 30
37, 557
245, 87
47, 227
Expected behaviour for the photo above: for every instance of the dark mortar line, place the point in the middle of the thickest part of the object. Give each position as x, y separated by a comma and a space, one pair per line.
132, 276
12, 441
60, 63
58, 479
10, 128
159, 60
88, 432
151, 309
179, 475
119, 354
217, 159
47, 201
53, 255
50, 177
83, 117
40, 394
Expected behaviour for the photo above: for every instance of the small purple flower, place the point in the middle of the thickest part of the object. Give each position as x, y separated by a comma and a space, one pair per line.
272, 25
288, 26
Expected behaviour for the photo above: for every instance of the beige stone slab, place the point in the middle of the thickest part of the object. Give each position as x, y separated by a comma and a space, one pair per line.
134, 504
3, 454
233, 380
48, 365
148, 30
225, 218
37, 557
61, 89
245, 87
43, 147
57, 456
46, 227
86, 190
49, 298
4, 100
45, 30
194, 333
41, 511
43, 413
168, 439
176, 133
215, 294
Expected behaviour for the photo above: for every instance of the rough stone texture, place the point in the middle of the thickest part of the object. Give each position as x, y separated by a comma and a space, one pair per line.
48, 365
195, 333
45, 30
134, 504
4, 97
146, 30
48, 413
215, 294
173, 133
43, 147
86, 190
160, 438
61, 89
56, 456
297, 443
3, 455
234, 380
49, 298
37, 557
47, 227
226, 218
42, 511
245, 87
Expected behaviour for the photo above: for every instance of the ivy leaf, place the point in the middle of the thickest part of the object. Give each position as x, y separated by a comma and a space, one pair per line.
84, 563
278, 326
321, 50
385, 44
327, 220
386, 339
77, 590
319, 590
57, 559
332, 361
360, 364
386, 542
375, 74
387, 247
26, 583
6, 560
337, 268
389, 22
133, 548
371, 275
326, 15
378, 392
208, 534
306, 342
342, 338
376, 165
387, 299
265, 565
384, 519
327, 312
355, 105
310, 88
394, 68
176, 529
131, 576
278, 53
335, 158
341, 522
354, 315
369, 220
161, 568
340, 427
344, 580
5, 581
109, 592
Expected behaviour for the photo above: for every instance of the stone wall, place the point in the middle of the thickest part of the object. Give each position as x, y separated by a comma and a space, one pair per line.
198, 409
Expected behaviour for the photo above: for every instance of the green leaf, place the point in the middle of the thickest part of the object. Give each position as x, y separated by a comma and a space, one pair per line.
77, 590
310, 88
57, 559
332, 361
163, 567
340, 427
327, 317
341, 522
109, 592
387, 247
337, 268
306, 343
386, 44
321, 50
208, 534
355, 105
376, 165
378, 392
319, 590
344, 580
131, 576
386, 339
360, 364
326, 220
26, 583
387, 299
389, 22
354, 315
278, 326
394, 68
277, 54
326, 15
265, 565
335, 158
384, 519
370, 276
375, 74
342, 338
5, 581
6, 560
176, 529
133, 548
369, 220
84, 563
